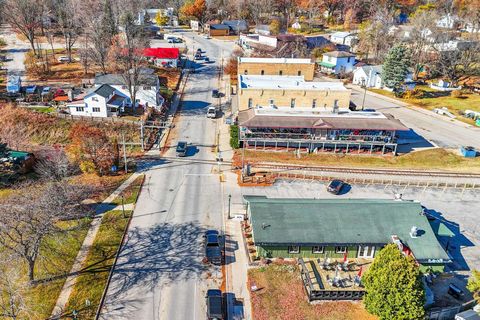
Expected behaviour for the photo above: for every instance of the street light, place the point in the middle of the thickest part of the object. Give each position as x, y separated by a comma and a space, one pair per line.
364, 86
229, 203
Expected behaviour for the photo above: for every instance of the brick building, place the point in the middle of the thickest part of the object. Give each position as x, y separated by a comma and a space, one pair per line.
290, 92
277, 66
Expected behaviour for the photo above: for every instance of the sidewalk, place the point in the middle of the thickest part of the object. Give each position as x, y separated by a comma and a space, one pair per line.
69, 284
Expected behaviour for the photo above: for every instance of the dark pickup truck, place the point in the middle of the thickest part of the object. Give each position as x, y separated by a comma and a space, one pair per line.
215, 305
213, 251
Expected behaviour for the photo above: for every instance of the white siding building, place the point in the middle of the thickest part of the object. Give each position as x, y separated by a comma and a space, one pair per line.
337, 62
371, 77
344, 38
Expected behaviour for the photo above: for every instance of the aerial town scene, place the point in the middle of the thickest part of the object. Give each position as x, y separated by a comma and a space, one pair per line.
243, 159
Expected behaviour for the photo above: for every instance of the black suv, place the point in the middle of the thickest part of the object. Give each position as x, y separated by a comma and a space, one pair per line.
182, 149
216, 94
215, 304
335, 186
213, 251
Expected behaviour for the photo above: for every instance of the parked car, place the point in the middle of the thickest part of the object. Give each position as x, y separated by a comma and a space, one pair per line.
215, 304
65, 59
212, 112
206, 36
59, 92
213, 252
335, 186
197, 56
216, 94
182, 148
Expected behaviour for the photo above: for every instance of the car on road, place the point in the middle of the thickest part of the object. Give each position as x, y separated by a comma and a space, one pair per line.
182, 148
216, 94
174, 40
212, 112
206, 36
215, 304
213, 251
335, 186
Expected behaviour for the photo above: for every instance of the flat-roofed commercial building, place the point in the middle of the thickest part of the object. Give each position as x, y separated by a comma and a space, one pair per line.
277, 66
290, 92
337, 130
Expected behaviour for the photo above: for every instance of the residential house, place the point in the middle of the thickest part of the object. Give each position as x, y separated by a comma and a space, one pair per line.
163, 57
149, 15
338, 228
217, 29
110, 96
195, 25
236, 26
344, 38
447, 21
337, 62
277, 66
289, 92
251, 42
371, 76
282, 45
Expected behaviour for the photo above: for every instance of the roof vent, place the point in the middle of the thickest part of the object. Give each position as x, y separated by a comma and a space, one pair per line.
398, 196
414, 232
265, 226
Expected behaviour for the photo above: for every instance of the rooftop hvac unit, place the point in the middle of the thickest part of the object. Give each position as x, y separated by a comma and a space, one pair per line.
414, 232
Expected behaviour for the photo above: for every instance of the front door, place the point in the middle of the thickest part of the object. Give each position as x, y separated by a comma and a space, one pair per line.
366, 251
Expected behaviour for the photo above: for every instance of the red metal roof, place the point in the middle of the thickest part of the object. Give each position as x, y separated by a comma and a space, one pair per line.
162, 53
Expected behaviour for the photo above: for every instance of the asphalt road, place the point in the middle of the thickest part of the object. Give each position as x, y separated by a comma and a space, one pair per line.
160, 274
427, 130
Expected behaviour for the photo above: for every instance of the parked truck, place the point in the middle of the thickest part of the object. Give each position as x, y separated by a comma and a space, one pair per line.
215, 305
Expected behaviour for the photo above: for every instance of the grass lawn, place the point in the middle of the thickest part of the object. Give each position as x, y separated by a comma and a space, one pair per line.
91, 283
59, 253
44, 109
439, 159
432, 99
282, 296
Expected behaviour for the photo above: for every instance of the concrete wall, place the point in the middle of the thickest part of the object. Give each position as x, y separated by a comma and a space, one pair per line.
303, 98
288, 69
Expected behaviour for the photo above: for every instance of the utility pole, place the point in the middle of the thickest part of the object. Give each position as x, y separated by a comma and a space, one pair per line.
364, 93
124, 152
229, 204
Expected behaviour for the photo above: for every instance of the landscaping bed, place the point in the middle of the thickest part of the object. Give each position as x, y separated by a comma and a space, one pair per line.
281, 295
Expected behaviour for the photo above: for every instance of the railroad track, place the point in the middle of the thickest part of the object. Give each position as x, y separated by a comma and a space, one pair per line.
278, 167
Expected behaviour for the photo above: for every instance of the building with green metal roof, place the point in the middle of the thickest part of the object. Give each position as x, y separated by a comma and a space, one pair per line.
293, 228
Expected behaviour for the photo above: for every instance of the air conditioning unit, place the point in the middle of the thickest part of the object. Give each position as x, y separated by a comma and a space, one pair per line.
414, 232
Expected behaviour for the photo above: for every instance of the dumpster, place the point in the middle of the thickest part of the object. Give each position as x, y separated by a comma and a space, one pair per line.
468, 152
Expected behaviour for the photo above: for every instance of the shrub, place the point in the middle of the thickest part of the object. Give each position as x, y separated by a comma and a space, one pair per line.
457, 94
413, 94
234, 143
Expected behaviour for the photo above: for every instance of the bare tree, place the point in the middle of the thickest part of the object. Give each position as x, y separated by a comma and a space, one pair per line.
419, 42
458, 63
13, 292
24, 17
14, 134
128, 55
69, 23
28, 217
54, 165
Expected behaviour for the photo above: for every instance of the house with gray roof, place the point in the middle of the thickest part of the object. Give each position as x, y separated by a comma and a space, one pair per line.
337, 62
338, 228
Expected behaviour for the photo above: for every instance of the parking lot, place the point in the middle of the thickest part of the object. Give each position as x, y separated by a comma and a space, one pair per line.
457, 209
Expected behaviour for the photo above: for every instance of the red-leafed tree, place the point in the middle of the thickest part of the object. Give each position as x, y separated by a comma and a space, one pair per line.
91, 149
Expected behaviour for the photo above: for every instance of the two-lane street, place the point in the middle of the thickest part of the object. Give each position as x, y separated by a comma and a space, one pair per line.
160, 273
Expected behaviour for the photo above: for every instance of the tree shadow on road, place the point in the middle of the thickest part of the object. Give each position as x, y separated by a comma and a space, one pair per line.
153, 257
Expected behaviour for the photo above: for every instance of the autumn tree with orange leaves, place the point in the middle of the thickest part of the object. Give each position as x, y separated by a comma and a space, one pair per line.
91, 149
195, 9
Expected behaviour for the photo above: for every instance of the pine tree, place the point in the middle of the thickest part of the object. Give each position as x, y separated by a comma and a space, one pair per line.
393, 286
395, 67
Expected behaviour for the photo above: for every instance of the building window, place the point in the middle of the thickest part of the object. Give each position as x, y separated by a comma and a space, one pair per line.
292, 103
299, 73
80, 109
262, 72
96, 109
250, 102
314, 103
318, 249
293, 249
95, 99
340, 249
271, 102
245, 72
113, 109
280, 73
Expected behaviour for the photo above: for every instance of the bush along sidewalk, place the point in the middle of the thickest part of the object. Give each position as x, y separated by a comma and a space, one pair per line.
91, 283
234, 135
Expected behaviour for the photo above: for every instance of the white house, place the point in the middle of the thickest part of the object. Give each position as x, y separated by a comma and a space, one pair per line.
103, 101
337, 62
371, 76
448, 21
194, 25
110, 96
344, 38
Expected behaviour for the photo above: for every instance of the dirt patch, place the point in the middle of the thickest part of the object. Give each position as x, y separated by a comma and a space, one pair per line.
282, 296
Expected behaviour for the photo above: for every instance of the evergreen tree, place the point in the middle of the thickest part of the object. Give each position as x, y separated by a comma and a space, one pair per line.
394, 290
395, 67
